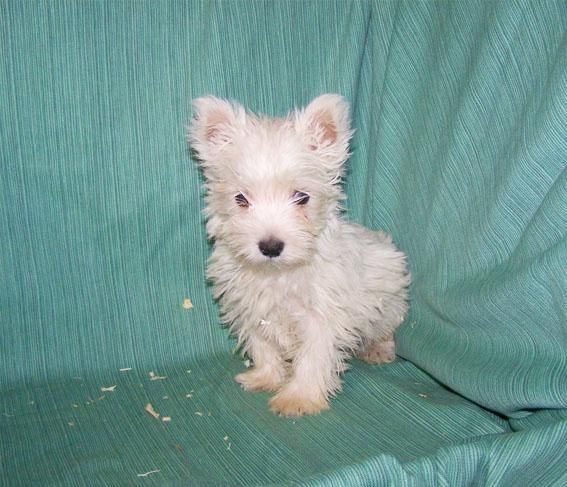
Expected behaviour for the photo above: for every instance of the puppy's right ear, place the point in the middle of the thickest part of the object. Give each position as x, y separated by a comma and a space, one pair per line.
216, 124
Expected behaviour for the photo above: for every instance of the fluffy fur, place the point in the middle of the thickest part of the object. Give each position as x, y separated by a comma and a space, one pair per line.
301, 288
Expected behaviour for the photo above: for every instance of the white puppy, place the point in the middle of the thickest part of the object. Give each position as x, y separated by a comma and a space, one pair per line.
301, 288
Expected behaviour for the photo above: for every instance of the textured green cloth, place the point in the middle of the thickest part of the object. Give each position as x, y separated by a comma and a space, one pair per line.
460, 151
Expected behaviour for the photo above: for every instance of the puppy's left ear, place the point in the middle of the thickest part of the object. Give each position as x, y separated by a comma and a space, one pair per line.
325, 126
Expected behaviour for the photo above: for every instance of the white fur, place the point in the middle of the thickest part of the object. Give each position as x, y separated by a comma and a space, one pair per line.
336, 289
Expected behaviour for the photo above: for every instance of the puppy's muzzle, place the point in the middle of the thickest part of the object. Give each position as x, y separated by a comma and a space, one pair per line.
271, 247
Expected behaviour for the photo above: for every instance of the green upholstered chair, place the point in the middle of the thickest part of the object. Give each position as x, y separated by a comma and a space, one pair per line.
460, 152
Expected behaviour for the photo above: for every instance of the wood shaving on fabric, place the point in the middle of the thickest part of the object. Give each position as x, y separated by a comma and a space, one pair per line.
147, 474
150, 409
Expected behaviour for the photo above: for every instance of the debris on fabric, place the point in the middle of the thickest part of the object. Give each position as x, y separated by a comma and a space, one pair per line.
228, 443
187, 304
147, 474
150, 409
153, 376
108, 389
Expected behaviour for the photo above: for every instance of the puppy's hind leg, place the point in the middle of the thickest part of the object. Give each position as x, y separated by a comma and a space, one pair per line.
378, 351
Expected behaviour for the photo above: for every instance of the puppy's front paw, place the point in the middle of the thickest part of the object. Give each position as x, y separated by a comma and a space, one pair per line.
292, 403
259, 380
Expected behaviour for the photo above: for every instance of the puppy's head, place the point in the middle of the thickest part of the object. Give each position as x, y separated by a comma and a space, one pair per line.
272, 184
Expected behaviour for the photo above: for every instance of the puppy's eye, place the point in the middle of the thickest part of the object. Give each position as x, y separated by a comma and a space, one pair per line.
241, 200
300, 198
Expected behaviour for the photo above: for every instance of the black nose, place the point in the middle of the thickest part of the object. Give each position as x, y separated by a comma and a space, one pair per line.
271, 247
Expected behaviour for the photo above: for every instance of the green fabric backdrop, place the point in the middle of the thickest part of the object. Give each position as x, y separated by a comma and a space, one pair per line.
460, 151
